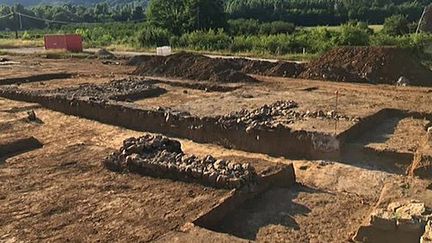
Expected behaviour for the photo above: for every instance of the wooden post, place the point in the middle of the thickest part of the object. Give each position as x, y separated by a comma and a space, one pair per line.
336, 110
421, 20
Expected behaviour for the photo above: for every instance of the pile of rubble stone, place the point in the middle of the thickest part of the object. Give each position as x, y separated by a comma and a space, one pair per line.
280, 112
161, 157
263, 116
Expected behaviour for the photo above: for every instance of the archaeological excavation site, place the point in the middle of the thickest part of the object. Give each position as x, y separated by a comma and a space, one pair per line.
192, 148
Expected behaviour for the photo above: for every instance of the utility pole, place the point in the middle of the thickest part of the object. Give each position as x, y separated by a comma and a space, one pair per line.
15, 19
15, 24
421, 20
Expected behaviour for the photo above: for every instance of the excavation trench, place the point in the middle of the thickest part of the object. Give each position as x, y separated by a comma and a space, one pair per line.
197, 86
36, 78
279, 141
14, 146
281, 176
275, 141
365, 143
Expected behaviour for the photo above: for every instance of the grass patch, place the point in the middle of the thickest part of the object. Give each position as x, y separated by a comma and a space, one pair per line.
291, 57
375, 27
18, 43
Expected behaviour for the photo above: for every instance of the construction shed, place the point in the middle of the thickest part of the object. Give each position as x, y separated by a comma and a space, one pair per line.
71, 43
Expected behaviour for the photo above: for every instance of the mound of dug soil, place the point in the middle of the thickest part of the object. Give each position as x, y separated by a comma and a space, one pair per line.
193, 66
104, 54
280, 69
384, 65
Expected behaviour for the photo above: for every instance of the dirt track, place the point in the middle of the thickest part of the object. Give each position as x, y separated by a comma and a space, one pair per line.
62, 192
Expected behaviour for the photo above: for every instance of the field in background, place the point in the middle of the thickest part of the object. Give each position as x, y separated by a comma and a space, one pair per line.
18, 43
376, 27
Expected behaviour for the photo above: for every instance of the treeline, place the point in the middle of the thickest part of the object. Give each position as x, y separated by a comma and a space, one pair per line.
298, 12
53, 16
208, 25
396, 32
324, 12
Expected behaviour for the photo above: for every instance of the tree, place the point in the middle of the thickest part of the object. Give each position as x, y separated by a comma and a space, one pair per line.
180, 16
204, 14
353, 35
396, 25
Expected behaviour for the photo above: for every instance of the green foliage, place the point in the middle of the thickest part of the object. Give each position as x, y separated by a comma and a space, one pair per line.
180, 16
396, 25
210, 40
415, 42
25, 36
253, 27
277, 27
353, 35
324, 12
151, 36
243, 26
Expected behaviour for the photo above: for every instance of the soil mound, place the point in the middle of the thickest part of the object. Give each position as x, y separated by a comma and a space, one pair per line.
384, 65
195, 67
138, 60
280, 69
104, 54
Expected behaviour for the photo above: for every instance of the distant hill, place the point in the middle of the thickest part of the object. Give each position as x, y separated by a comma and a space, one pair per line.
80, 2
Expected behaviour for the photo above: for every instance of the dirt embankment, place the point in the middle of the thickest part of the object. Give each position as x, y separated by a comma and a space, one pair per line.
378, 65
199, 67
384, 65
265, 68
193, 66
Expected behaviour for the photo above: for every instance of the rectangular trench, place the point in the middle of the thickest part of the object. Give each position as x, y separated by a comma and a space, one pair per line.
281, 141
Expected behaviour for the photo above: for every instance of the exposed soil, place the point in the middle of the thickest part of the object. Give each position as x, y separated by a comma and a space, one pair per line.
193, 66
120, 90
282, 214
104, 54
227, 70
36, 78
378, 65
62, 192
280, 69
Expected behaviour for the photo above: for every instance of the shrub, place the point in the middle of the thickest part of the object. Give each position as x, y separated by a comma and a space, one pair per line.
210, 40
26, 36
150, 36
277, 27
396, 25
244, 26
353, 35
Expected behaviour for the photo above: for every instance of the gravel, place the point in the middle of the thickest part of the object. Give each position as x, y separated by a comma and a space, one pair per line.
280, 112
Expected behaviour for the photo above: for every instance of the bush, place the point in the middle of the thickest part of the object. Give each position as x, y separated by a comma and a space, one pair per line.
277, 27
317, 40
26, 36
396, 25
243, 26
151, 36
243, 44
353, 35
210, 40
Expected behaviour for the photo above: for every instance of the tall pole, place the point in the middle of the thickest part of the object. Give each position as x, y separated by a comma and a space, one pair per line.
15, 24
421, 20
15, 19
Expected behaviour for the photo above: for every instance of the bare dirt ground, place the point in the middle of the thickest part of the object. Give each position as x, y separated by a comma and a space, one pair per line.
61, 192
